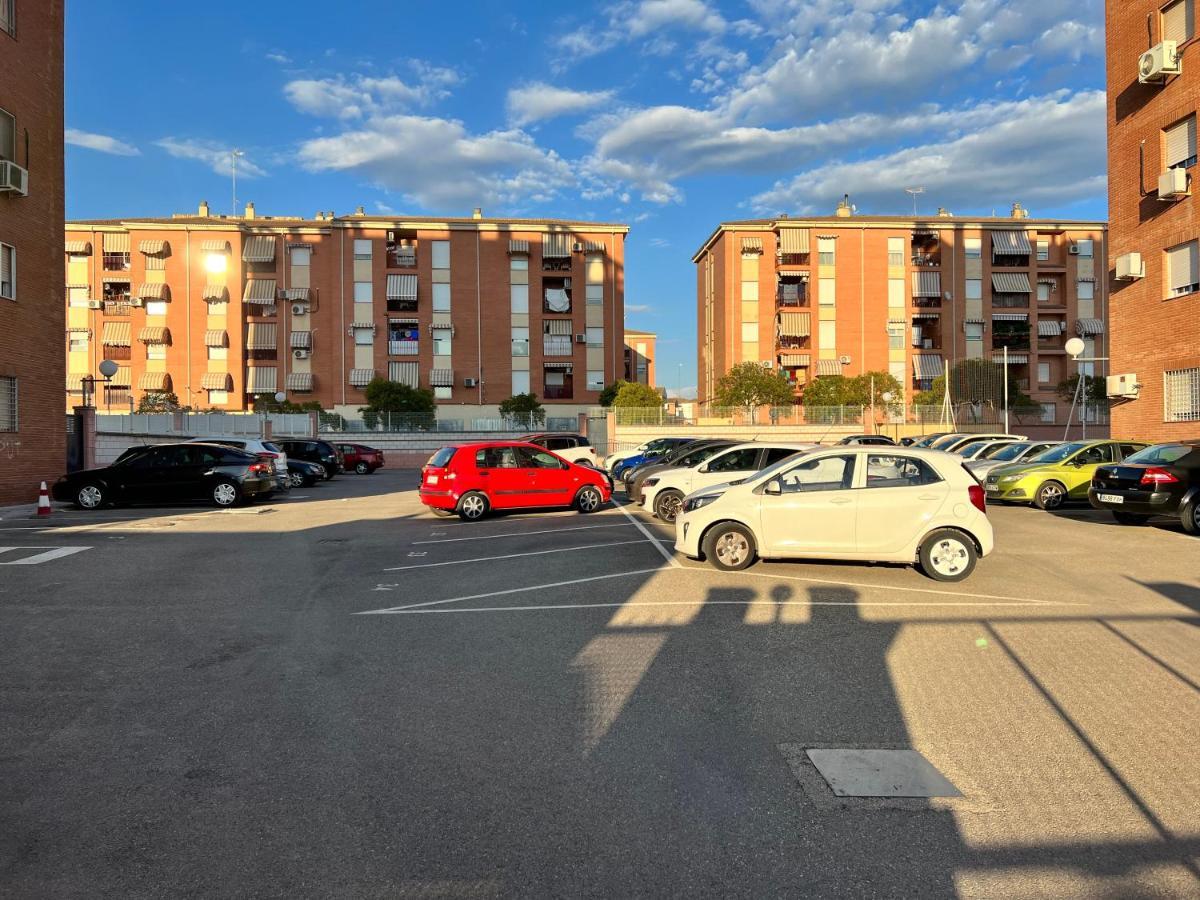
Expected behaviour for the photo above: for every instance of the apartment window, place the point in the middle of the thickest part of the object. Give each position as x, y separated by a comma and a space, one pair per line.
750, 291
218, 353
443, 393
1043, 251
595, 294
156, 307
301, 256
1178, 21
78, 342
1179, 144
519, 264
8, 272
1049, 412
364, 337
1084, 290
8, 132
1183, 269
895, 332
827, 335
362, 250
8, 403
827, 291
595, 380
8, 16
439, 254
362, 292
520, 341
1181, 396
595, 337
520, 298
974, 289
749, 332
1043, 290
441, 297
973, 248
520, 382
1084, 248
218, 398
895, 251
156, 351
974, 331
1043, 373
825, 251
441, 341
896, 295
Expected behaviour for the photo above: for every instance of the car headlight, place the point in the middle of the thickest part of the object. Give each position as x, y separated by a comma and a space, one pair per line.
650, 482
1009, 479
694, 503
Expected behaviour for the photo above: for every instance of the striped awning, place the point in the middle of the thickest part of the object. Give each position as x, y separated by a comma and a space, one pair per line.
594, 247
154, 381
565, 366
392, 320
927, 284
792, 360
1010, 243
402, 287
556, 245
214, 246
116, 242
259, 248
1086, 327
152, 290
405, 373
366, 326
1050, 328
518, 246
154, 248
1014, 358
215, 293
260, 291
828, 367
155, 334
1010, 317
260, 336
361, 377
261, 380
441, 378
79, 248
78, 287
297, 295
75, 383
924, 314
300, 381
793, 240
927, 365
216, 381
1010, 282
752, 245
794, 324
299, 245
123, 378
117, 334
216, 337
974, 320
301, 340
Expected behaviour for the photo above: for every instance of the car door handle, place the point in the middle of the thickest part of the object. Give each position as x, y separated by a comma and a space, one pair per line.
483, 473
929, 497
841, 501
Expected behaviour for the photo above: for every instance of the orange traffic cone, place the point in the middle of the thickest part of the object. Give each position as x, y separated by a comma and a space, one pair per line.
43, 501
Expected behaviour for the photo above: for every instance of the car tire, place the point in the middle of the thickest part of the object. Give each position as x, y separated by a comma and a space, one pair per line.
588, 499
1050, 495
1190, 518
329, 473
441, 513
473, 506
362, 468
91, 497
729, 547
948, 555
667, 504
296, 480
226, 494
1125, 518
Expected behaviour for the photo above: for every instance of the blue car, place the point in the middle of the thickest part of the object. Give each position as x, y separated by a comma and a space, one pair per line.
624, 470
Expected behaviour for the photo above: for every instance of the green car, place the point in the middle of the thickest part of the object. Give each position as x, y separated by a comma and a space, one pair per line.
1056, 475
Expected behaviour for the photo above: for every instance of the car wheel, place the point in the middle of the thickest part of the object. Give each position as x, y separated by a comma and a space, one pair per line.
225, 493
472, 507
948, 555
362, 468
296, 479
729, 547
588, 499
90, 496
329, 473
667, 505
1125, 518
441, 513
1050, 496
1190, 519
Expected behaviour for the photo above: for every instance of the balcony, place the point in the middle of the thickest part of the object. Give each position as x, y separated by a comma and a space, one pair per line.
1010, 301
557, 392
402, 348
927, 302
791, 296
556, 345
926, 259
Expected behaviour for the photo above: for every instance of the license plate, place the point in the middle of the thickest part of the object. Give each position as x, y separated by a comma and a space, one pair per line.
992, 489
1110, 498
431, 479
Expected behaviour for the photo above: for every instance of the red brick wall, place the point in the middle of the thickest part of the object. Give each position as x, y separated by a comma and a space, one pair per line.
32, 339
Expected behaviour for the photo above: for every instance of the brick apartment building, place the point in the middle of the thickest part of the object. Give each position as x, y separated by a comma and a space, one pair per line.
32, 352
221, 310
1153, 95
639, 356
848, 294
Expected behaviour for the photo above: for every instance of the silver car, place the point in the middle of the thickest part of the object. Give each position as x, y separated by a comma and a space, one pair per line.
264, 449
1008, 455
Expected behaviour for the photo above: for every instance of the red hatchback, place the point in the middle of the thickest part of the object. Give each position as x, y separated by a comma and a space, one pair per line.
472, 479
362, 459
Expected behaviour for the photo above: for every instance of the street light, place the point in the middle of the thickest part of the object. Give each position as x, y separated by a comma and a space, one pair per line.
108, 369
1074, 347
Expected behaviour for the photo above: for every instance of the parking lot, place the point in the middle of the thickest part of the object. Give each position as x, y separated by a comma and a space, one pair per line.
338, 693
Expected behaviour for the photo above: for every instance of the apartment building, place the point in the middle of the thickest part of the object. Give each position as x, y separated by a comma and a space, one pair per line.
224, 310
1153, 95
847, 294
32, 424
639, 356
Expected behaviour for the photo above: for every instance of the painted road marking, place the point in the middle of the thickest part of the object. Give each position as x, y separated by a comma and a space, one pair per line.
887, 587
488, 537
460, 562
406, 610
669, 557
50, 554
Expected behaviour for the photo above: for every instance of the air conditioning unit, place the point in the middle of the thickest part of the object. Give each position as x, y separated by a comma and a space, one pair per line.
301, 354
1130, 267
1073, 249
299, 309
470, 382
13, 179
578, 247
768, 364
581, 338
136, 301
1122, 387
1158, 62
1173, 184
95, 304
844, 360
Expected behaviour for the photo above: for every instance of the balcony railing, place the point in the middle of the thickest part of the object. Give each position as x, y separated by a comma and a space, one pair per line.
786, 299
564, 392
556, 345
1010, 301
402, 348
927, 302
926, 259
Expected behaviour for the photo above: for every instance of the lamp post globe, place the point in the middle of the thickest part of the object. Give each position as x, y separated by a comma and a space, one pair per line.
1075, 346
108, 368
280, 396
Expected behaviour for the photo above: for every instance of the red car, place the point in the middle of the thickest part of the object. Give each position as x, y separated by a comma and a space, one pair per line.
472, 479
362, 459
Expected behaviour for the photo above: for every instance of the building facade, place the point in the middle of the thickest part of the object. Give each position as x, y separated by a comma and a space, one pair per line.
1153, 95
32, 424
639, 356
222, 311
848, 294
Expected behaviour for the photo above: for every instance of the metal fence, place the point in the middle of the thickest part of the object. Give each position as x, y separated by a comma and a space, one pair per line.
425, 423
201, 424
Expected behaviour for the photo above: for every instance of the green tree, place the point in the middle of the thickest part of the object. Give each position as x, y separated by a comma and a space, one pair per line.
386, 398
525, 407
749, 385
634, 395
609, 394
838, 390
1097, 390
158, 402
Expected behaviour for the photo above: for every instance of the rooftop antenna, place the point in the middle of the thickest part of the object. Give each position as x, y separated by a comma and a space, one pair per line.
914, 192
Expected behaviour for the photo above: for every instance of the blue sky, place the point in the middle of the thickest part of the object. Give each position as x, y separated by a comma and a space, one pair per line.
670, 115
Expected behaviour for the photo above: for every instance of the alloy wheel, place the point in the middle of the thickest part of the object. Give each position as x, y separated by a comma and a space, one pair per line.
296, 479
473, 506
668, 506
949, 557
1051, 496
589, 500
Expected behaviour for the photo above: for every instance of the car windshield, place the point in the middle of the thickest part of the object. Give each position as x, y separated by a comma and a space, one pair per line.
1059, 453
970, 449
763, 475
274, 448
1009, 451
1160, 454
946, 441
442, 457
927, 440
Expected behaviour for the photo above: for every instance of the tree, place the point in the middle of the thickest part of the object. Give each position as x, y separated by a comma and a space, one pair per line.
524, 407
391, 397
749, 385
1097, 390
609, 394
634, 395
158, 402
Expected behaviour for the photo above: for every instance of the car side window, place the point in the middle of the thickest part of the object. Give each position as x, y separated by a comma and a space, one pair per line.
1098, 454
557, 443
143, 461
1127, 450
735, 460
885, 471
829, 473
497, 458
777, 454
536, 459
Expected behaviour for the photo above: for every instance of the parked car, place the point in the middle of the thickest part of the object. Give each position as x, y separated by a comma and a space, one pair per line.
302, 473
683, 458
360, 458
614, 459
984, 448
951, 443
657, 451
265, 450
321, 452
473, 479
663, 494
633, 469
1018, 451
1162, 480
881, 440
848, 503
572, 447
170, 473
926, 440
1057, 475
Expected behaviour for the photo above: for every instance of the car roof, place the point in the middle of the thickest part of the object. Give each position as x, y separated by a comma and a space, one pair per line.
785, 445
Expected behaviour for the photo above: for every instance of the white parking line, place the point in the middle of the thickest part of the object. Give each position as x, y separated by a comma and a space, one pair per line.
406, 610
51, 553
534, 515
669, 557
887, 587
488, 537
459, 562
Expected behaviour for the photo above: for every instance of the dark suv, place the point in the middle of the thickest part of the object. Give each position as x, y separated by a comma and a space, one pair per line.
322, 453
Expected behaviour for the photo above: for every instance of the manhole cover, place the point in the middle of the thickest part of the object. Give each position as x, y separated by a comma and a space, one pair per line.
880, 773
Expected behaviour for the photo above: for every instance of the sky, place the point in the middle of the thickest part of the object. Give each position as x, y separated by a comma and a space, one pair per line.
667, 115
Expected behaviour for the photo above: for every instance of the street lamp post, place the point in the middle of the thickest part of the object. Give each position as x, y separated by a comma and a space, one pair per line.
1074, 347
108, 369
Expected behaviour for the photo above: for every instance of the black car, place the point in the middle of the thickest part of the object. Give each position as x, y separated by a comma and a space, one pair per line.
170, 473
868, 439
322, 453
1161, 480
302, 473
688, 455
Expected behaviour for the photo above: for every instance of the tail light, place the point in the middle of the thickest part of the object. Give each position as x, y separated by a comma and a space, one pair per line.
265, 455
1156, 476
259, 468
978, 498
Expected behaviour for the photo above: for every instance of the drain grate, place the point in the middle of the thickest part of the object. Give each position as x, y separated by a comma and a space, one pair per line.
880, 773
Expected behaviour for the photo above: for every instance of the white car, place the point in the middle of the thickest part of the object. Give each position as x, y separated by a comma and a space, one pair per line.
983, 448
663, 494
954, 442
1008, 455
853, 503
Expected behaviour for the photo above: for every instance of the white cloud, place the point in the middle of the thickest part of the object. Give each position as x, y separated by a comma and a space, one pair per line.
538, 101
638, 307
100, 142
635, 20
278, 56
659, 242
216, 156
358, 96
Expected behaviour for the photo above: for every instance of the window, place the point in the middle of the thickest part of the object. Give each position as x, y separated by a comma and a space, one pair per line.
895, 332
520, 341
156, 307
895, 251
439, 254
1084, 290
778, 454
78, 342
595, 337
496, 458
974, 331
1043, 373
218, 353
218, 397
1181, 395
896, 294
1085, 248
1101, 453
1178, 22
830, 473
899, 471
1183, 269
595, 380
973, 248
78, 296
364, 337
520, 298
362, 250
1179, 144
827, 291
537, 459
1043, 290
750, 290
156, 351
827, 334
8, 131
362, 292
443, 393
1043, 251
825, 251
974, 289
519, 264
8, 18
116, 261
8, 403
735, 461
441, 298
301, 256
520, 382
595, 294
749, 332
8, 272
441, 341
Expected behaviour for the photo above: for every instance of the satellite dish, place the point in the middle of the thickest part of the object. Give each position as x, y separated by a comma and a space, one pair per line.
108, 368
1075, 346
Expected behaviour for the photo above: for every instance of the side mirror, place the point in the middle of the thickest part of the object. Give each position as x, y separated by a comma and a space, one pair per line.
773, 487
703, 469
